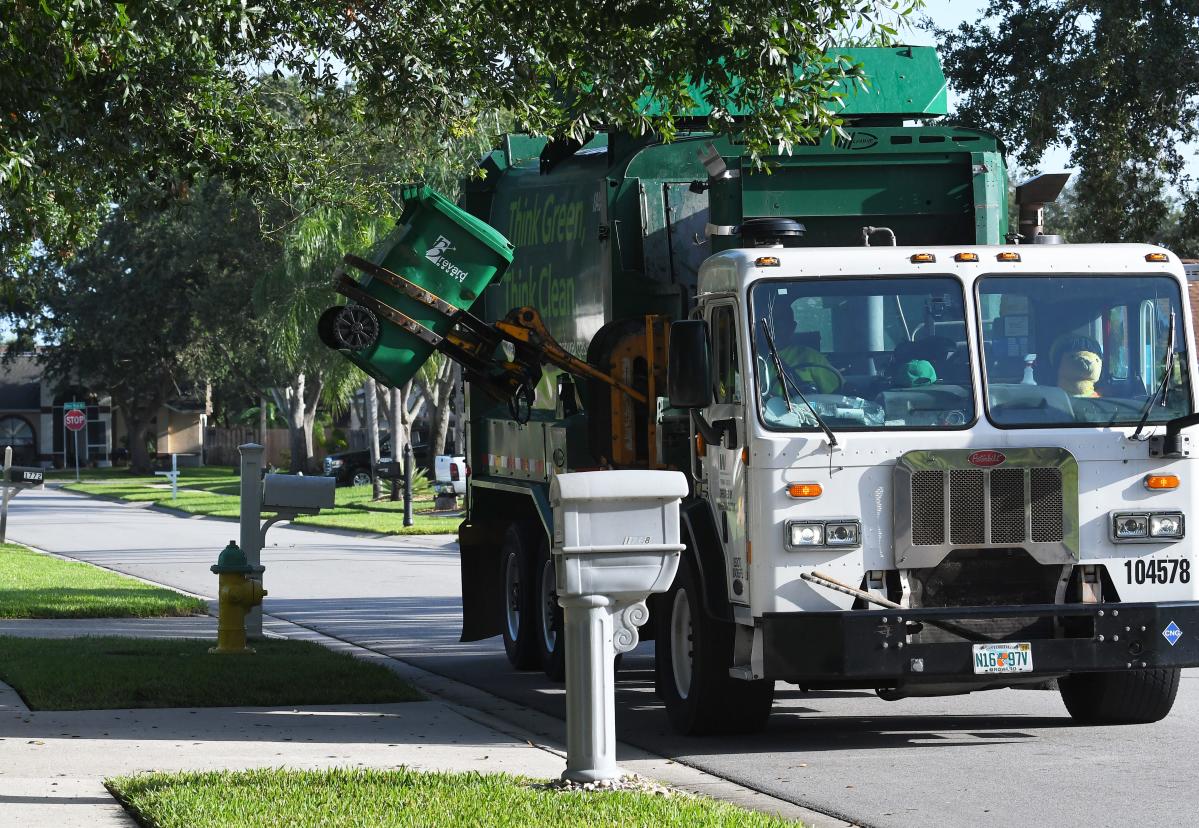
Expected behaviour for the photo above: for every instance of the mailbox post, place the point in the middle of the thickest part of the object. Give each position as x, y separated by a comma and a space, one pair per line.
288, 496
616, 542
14, 480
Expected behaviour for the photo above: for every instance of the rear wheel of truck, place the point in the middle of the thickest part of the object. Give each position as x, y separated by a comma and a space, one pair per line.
550, 641
694, 653
520, 609
361, 477
1135, 697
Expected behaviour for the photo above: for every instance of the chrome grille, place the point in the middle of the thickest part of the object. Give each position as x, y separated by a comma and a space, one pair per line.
945, 500
1014, 503
966, 522
928, 507
1045, 492
1007, 506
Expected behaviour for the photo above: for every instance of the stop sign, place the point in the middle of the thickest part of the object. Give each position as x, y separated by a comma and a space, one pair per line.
75, 419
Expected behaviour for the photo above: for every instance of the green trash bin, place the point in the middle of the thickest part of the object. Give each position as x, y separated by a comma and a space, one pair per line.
436, 246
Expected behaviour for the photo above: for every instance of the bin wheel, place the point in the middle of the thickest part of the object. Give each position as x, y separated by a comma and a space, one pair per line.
520, 628
694, 653
550, 640
1135, 697
355, 328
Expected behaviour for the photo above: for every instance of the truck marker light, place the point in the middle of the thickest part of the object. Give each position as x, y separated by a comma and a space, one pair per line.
1007, 256
1154, 482
966, 257
923, 258
766, 261
804, 490
745, 456
701, 447
1168, 525
1156, 257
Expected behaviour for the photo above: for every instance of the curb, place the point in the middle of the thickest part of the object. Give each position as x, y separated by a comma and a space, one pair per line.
302, 527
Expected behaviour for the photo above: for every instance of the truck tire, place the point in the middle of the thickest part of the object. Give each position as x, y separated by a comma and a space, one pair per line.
361, 477
694, 653
550, 640
1135, 697
520, 609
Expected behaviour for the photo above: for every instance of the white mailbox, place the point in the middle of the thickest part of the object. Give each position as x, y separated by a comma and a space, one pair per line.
616, 541
296, 494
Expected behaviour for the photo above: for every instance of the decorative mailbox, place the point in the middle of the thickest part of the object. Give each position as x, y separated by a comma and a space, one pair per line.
616, 542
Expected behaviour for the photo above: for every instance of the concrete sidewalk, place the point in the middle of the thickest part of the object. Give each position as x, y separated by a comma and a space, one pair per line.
52, 763
62, 757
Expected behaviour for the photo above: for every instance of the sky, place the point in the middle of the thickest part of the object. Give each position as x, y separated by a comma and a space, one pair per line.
948, 14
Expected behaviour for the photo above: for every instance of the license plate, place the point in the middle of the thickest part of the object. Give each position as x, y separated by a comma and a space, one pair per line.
1003, 658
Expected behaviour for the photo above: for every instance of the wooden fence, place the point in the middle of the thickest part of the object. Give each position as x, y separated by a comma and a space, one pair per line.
220, 446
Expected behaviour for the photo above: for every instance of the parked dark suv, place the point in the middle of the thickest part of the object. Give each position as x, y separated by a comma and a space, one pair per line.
353, 468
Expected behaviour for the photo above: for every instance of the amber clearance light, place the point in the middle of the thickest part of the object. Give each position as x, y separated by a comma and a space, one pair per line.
1007, 256
1156, 257
923, 258
800, 490
1153, 482
966, 257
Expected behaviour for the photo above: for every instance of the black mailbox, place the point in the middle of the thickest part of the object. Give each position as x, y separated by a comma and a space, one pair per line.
389, 470
26, 476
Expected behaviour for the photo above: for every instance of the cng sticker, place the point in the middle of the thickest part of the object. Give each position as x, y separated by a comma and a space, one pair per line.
1172, 633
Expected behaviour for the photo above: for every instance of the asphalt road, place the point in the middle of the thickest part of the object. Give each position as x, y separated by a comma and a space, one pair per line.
1000, 758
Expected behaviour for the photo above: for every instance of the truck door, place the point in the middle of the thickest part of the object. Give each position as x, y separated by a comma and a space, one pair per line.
723, 467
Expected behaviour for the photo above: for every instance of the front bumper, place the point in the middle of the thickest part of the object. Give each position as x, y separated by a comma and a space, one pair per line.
887, 647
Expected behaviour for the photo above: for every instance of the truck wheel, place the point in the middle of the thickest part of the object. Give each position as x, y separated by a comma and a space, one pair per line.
1138, 697
550, 641
520, 608
694, 653
361, 477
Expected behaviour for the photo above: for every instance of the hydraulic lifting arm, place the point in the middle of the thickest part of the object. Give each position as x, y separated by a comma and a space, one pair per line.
474, 343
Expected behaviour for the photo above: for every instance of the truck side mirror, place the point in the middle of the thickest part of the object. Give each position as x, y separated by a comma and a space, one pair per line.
688, 372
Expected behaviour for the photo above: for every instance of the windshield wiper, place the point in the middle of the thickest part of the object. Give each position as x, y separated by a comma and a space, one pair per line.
785, 378
1162, 389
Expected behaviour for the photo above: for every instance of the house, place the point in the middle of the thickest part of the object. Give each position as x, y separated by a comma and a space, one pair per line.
31, 421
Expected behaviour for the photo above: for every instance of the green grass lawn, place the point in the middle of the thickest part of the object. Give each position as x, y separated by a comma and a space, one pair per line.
213, 491
107, 673
342, 798
33, 585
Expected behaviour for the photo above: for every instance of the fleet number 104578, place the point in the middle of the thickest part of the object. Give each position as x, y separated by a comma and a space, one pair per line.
1158, 571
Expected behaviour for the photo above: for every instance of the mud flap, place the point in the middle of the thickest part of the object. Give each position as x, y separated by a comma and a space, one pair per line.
482, 601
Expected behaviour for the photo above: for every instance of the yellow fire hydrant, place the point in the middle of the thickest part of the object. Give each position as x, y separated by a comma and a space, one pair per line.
238, 594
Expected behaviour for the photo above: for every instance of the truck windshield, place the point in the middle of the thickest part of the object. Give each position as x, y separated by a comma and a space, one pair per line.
1067, 350
869, 353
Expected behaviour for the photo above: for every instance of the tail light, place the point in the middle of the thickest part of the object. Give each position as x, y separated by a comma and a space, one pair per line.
453, 471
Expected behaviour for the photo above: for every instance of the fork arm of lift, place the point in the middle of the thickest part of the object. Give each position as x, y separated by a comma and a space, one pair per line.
472, 343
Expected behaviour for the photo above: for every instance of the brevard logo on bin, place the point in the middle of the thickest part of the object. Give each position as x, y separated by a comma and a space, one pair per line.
987, 458
436, 254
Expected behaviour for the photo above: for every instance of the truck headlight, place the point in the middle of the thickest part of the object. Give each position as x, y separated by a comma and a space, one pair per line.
1130, 526
1146, 527
1165, 525
807, 534
847, 533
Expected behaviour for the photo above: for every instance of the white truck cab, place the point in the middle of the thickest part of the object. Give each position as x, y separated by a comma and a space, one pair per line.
936, 470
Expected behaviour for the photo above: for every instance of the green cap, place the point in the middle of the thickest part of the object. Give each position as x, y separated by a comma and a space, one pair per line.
232, 559
917, 372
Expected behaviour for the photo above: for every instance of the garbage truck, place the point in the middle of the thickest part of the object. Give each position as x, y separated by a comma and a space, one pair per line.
929, 452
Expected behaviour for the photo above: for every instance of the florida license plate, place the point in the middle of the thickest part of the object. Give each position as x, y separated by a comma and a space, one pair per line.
1003, 658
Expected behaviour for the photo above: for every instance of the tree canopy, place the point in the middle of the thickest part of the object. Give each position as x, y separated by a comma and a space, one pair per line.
100, 98
1114, 81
